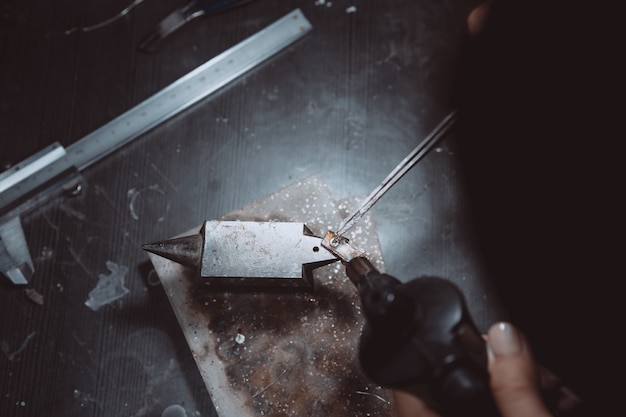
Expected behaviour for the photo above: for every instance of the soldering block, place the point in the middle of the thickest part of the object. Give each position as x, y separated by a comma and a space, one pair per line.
282, 353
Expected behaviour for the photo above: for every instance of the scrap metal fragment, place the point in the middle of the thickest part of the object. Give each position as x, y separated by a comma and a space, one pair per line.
109, 288
340, 247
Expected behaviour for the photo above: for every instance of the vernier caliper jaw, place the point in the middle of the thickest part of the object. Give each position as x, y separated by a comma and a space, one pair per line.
15, 261
24, 187
27, 185
243, 253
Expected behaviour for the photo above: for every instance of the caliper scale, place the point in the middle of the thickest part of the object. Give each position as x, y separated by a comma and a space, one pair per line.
24, 186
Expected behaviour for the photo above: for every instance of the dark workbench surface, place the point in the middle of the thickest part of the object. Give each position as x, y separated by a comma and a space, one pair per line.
348, 101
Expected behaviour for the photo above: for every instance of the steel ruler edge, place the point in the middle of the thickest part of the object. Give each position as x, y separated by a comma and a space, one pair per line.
37, 171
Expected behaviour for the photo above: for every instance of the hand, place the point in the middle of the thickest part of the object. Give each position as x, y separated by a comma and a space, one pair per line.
477, 17
514, 378
513, 374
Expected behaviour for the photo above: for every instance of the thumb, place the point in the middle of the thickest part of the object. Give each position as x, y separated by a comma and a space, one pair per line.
513, 376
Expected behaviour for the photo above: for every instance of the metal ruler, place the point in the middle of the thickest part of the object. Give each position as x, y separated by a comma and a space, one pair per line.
27, 179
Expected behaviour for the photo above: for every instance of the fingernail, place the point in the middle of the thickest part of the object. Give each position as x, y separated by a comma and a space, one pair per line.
504, 340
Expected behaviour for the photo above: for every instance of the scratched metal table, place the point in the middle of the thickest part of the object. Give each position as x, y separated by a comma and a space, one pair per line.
348, 101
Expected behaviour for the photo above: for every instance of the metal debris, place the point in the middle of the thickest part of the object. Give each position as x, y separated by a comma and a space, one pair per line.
109, 288
12, 355
34, 296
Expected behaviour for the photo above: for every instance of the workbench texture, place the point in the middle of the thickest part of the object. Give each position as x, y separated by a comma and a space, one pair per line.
349, 101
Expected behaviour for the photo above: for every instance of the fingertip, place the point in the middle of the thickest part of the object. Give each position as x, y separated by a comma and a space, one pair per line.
513, 376
503, 339
477, 18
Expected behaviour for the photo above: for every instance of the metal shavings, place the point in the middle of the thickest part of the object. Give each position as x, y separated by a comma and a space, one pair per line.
323, 3
84, 398
34, 296
153, 278
12, 355
72, 212
374, 395
132, 196
157, 208
270, 384
46, 253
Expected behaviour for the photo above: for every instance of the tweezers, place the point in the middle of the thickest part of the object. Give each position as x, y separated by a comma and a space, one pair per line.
183, 15
398, 172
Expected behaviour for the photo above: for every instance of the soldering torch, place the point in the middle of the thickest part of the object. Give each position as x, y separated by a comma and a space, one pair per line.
418, 337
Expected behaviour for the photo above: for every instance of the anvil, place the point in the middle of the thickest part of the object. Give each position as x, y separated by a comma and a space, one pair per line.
249, 253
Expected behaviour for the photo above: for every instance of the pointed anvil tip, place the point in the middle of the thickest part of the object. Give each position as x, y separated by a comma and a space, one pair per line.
185, 250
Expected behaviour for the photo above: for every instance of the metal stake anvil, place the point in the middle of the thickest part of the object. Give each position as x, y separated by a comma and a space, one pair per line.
236, 253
